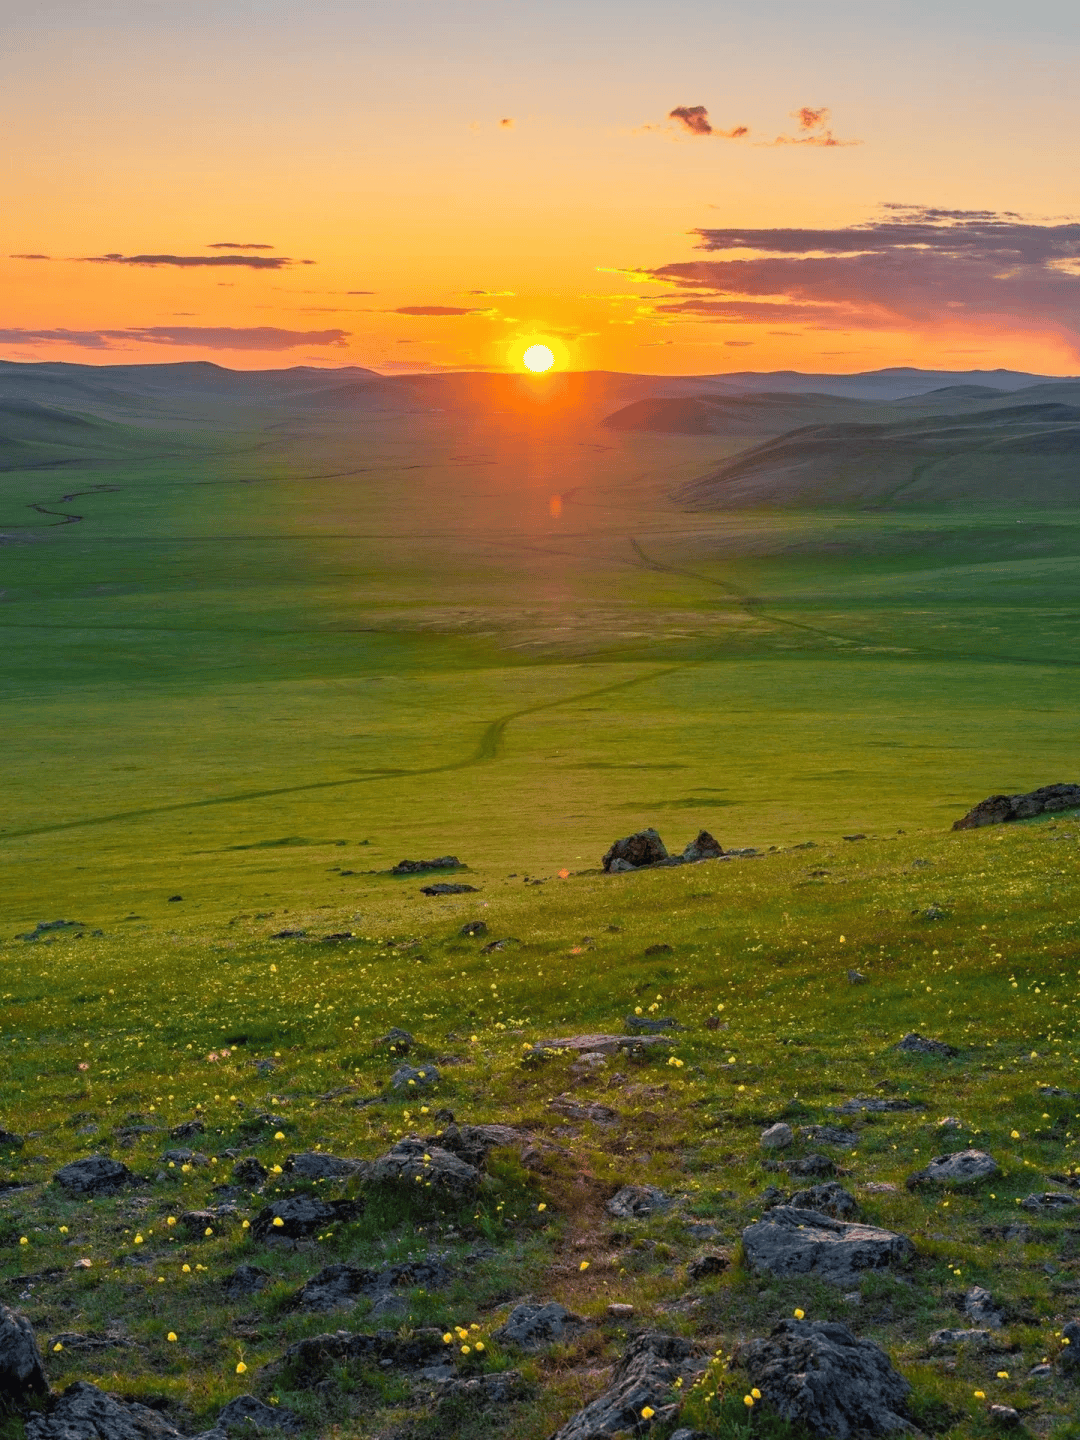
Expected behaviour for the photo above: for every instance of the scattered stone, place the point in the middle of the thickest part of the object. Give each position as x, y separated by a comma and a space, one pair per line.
829, 1199
881, 1187
704, 847
644, 1378
473, 928
1040, 1372
496, 945
706, 1265
853, 838
1049, 1201
965, 1167
187, 1129
816, 1373
790, 1241
874, 1104
646, 1025
598, 1114
301, 1215
530, 1327
398, 1041
950, 1122
97, 1175
915, 1044
308, 1360
1070, 1353
407, 1077
644, 847
334, 1288
417, 867
1004, 809
603, 1044
480, 1391
21, 1372
812, 1164
317, 1165
84, 1412
10, 1141
448, 889
249, 1171
946, 1341
619, 1311
828, 1134
288, 935
1004, 1415
245, 1280
856, 977
618, 865
474, 1143
73, 1340
661, 948
637, 1202
412, 1161
44, 927
979, 1306
246, 1413
777, 1137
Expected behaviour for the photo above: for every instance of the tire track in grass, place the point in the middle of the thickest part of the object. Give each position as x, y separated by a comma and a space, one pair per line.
487, 749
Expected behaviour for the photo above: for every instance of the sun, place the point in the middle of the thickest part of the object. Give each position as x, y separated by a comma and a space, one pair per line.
537, 358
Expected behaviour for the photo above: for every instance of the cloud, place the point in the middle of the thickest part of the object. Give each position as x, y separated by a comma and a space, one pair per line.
250, 262
493, 294
223, 337
25, 256
361, 292
910, 267
438, 310
506, 123
810, 119
695, 121
813, 130
738, 344
239, 245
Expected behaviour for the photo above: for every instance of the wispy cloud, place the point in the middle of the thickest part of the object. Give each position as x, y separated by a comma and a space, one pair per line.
813, 130
910, 267
493, 294
438, 310
25, 256
506, 123
694, 119
239, 245
250, 262
205, 337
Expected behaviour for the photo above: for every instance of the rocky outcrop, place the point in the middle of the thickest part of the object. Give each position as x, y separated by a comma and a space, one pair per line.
1003, 809
474, 1143
418, 867
246, 1415
637, 1202
816, 1373
96, 1175
413, 1162
315, 1165
965, 1167
84, 1412
789, 1241
644, 847
307, 1361
21, 1373
643, 1379
828, 1199
530, 1327
916, 1044
298, 1215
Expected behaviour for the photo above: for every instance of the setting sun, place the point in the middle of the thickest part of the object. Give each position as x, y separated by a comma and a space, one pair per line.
538, 357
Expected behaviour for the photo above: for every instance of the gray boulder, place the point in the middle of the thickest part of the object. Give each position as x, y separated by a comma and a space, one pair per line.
447, 889
414, 1162
96, 1175
21, 1373
315, 1165
474, 1143
409, 1077
246, 1413
1003, 809
309, 1360
336, 1287
828, 1199
979, 1306
1050, 1202
644, 847
84, 1412
944, 1342
249, 1171
245, 1280
301, 1215
704, 847
599, 1044
789, 1241
637, 1202
648, 1025
645, 1376
617, 866
965, 1167
1070, 1353
816, 1373
417, 867
530, 1327
915, 1044
397, 1041
777, 1137
875, 1105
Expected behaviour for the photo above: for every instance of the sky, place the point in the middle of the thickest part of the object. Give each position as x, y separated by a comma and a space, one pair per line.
683, 188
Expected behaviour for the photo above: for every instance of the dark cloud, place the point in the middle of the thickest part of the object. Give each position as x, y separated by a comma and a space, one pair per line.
29, 257
500, 294
361, 292
438, 310
239, 245
250, 262
738, 344
813, 130
206, 337
911, 267
695, 121
506, 123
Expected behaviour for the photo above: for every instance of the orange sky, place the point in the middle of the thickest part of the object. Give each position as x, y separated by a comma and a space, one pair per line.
369, 140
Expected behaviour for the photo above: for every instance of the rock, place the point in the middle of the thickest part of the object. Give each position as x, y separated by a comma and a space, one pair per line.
181, 1155
408, 1077
474, 1143
245, 1280
789, 1241
1003, 809
979, 1306
398, 1041
84, 1412
1050, 1201
637, 1202
479, 1391
1070, 1353
1004, 1415
246, 1413
874, 1105
949, 1122
308, 1360
573, 1109
915, 1044
617, 866
316, 1165
447, 889
288, 935
828, 1199
816, 1373
334, 1288
645, 1025
644, 847
97, 1175
301, 1215
812, 1164
704, 847
706, 1265
473, 928
946, 1341
530, 1327
777, 1137
498, 945
10, 1141
249, 1171
644, 1377
685, 1433
44, 927
187, 1129
198, 1222
856, 977
417, 867
414, 1162
661, 948
965, 1167
21, 1373
619, 1311
828, 1134
881, 1187
603, 1044
74, 1340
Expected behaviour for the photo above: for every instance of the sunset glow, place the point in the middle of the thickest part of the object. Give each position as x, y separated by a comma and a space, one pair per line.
538, 358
